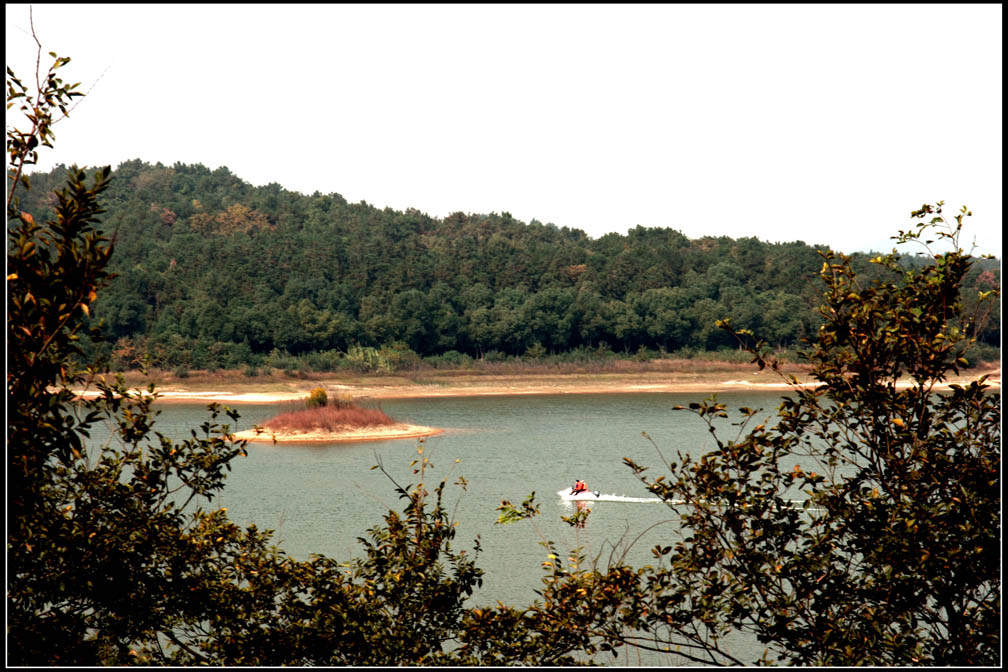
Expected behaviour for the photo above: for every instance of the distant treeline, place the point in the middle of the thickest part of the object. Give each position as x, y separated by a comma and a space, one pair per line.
216, 273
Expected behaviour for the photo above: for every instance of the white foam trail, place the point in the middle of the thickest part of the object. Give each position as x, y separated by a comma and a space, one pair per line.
590, 497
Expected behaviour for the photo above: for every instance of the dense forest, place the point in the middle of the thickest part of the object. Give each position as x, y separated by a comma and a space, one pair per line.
213, 272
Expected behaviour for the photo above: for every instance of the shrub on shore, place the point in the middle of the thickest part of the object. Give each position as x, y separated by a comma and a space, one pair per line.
317, 398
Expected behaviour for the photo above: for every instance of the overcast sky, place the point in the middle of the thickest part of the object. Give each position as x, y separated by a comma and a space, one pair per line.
821, 123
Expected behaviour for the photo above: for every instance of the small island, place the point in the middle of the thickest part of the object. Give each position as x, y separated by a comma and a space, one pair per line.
324, 422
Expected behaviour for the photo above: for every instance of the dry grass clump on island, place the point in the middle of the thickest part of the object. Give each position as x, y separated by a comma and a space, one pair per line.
328, 419
328, 416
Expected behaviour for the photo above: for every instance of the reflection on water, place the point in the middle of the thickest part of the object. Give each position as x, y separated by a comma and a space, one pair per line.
320, 498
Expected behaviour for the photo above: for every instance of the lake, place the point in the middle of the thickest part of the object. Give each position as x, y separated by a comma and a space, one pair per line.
319, 498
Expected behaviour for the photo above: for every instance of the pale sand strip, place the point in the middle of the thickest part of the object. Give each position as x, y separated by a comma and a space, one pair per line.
208, 396
386, 433
516, 386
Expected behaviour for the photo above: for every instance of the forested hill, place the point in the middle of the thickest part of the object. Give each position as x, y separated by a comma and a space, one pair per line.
213, 271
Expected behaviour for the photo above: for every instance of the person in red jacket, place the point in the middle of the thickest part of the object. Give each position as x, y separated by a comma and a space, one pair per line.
579, 487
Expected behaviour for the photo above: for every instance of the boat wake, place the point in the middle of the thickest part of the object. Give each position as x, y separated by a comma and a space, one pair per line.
596, 496
591, 496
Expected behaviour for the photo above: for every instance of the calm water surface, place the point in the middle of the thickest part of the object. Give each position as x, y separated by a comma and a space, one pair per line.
319, 498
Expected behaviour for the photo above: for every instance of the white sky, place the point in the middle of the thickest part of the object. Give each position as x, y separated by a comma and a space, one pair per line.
821, 123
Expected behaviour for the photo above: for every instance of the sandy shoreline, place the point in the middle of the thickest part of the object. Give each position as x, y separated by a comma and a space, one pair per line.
499, 386
462, 386
398, 431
